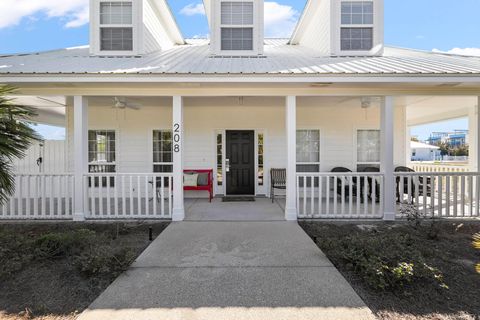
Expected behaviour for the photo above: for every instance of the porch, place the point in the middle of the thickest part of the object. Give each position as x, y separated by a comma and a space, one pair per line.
128, 162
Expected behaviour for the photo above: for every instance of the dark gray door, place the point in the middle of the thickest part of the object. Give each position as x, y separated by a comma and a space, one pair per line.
240, 157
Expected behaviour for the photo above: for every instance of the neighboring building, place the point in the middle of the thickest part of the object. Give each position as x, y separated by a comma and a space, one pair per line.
454, 139
142, 104
424, 152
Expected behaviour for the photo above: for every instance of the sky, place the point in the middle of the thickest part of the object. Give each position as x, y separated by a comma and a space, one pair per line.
443, 25
423, 132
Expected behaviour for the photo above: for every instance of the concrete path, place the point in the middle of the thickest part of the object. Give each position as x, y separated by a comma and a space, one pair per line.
230, 271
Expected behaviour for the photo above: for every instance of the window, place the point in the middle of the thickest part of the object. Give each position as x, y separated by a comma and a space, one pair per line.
260, 159
357, 12
308, 150
356, 39
162, 151
356, 33
237, 38
237, 25
368, 149
237, 13
116, 31
219, 159
101, 154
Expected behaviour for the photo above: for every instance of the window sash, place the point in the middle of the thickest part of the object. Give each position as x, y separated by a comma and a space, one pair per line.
116, 13
237, 38
116, 39
356, 39
368, 146
101, 147
308, 150
162, 151
357, 12
236, 13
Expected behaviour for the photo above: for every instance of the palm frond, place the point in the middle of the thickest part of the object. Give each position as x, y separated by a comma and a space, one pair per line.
16, 136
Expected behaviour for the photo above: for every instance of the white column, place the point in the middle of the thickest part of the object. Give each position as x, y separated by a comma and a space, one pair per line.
178, 213
80, 154
291, 132
386, 157
477, 135
474, 138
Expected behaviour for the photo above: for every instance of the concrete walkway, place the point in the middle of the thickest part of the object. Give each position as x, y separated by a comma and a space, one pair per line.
230, 271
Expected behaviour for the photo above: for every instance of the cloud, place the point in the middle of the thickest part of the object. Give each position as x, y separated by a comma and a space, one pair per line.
461, 51
193, 9
280, 20
74, 12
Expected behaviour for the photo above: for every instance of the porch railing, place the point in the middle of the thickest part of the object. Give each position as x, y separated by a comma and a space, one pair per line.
439, 194
340, 195
432, 167
128, 196
40, 196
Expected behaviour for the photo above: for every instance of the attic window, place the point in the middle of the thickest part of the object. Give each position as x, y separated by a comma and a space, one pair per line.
237, 13
357, 12
116, 26
237, 25
237, 38
356, 32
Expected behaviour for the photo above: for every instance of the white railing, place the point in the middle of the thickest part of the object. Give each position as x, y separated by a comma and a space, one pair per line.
40, 196
128, 196
433, 167
340, 195
439, 194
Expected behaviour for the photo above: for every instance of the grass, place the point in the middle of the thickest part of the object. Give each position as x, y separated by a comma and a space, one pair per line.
440, 283
54, 271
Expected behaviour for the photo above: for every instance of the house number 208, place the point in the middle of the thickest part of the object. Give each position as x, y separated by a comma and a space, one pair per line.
176, 137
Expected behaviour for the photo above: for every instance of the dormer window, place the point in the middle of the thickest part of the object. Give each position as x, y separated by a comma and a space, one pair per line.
357, 23
236, 25
116, 26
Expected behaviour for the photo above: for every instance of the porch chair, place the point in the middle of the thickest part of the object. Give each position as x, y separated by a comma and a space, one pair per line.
346, 185
370, 182
278, 180
420, 181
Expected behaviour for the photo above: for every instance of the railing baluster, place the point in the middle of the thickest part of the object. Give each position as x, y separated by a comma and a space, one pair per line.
304, 180
124, 197
365, 196
447, 195
312, 195
147, 206
343, 195
335, 195
115, 195
320, 195
462, 195
374, 196
455, 196
358, 197
109, 205
470, 195
52, 197
130, 192
154, 191
44, 196
440, 196
327, 200
139, 197
350, 195
170, 181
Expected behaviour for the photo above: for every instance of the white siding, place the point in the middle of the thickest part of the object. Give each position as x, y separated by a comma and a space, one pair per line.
53, 155
318, 36
336, 118
154, 31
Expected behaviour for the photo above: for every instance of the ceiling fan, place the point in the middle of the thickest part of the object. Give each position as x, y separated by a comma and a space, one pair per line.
123, 103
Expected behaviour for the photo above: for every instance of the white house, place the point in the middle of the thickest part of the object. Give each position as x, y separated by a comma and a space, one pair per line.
424, 152
142, 104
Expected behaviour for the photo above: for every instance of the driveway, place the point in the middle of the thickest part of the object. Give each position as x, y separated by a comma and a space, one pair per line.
209, 270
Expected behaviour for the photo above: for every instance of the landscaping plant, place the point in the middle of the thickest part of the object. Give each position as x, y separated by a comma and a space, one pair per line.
15, 138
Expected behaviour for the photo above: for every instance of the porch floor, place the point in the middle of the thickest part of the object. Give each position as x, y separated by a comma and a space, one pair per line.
207, 270
262, 209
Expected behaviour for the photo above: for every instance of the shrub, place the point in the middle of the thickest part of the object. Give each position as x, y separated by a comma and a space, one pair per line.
61, 244
384, 261
103, 261
15, 253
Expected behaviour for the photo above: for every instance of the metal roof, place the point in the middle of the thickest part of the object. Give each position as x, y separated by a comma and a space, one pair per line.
279, 58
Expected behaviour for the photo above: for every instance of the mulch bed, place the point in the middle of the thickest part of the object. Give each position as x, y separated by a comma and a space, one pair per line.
452, 253
55, 288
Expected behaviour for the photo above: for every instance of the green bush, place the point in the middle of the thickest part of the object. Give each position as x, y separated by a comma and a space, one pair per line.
15, 253
384, 261
61, 244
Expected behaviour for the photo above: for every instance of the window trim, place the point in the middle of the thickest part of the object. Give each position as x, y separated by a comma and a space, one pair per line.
96, 26
320, 144
150, 140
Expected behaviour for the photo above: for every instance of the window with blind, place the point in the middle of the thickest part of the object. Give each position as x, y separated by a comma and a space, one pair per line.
356, 32
308, 150
368, 149
162, 153
116, 26
101, 154
237, 25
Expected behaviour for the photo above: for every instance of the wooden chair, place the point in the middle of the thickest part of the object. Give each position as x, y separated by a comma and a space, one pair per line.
278, 180
420, 181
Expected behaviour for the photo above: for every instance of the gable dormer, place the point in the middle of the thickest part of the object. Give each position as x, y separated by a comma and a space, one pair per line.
131, 27
236, 26
342, 27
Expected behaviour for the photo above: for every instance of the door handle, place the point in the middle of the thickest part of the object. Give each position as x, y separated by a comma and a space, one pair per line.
227, 165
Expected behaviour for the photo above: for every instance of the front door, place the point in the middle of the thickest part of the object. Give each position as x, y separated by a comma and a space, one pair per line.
240, 162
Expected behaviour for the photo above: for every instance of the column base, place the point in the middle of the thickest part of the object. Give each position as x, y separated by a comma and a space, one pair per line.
79, 217
389, 216
291, 214
178, 214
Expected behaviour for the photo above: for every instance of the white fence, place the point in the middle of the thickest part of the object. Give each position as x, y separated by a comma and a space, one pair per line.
439, 194
340, 195
51, 153
40, 196
432, 167
128, 196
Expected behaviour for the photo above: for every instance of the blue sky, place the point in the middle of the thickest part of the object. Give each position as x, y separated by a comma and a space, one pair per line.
422, 24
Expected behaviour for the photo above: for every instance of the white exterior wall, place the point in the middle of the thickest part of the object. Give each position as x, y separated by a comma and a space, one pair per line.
154, 34
337, 121
318, 36
53, 156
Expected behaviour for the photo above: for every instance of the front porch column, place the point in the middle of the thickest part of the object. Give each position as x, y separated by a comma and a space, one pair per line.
291, 131
80, 145
386, 157
178, 213
474, 138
